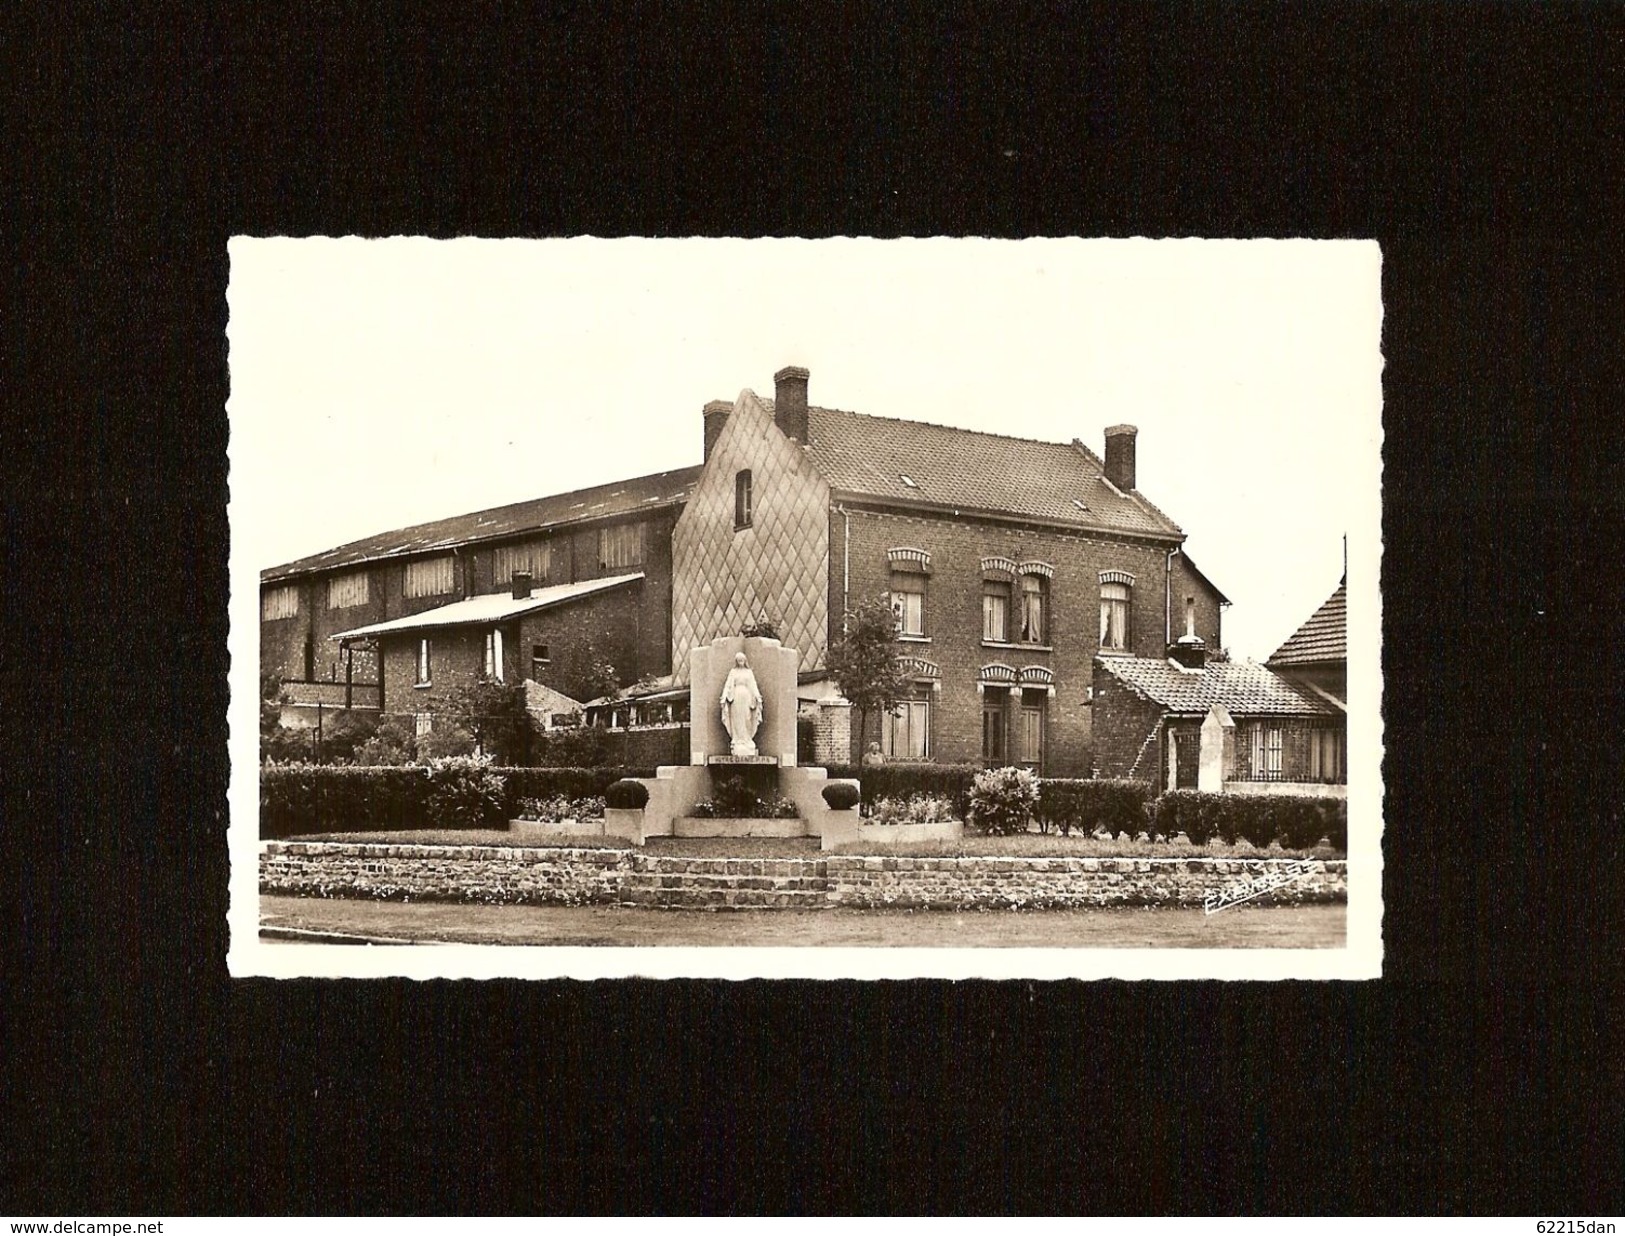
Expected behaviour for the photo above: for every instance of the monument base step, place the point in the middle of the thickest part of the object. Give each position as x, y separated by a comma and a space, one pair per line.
693, 826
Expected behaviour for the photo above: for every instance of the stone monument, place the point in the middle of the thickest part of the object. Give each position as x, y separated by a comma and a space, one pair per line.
742, 725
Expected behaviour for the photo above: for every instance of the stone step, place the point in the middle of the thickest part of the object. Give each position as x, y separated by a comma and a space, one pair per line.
725, 898
691, 826
741, 880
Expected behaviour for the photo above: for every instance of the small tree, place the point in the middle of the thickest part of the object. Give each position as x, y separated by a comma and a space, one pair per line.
494, 716
863, 661
601, 680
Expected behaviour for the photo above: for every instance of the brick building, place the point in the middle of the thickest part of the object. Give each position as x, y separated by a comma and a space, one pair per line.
1010, 564
394, 621
1182, 722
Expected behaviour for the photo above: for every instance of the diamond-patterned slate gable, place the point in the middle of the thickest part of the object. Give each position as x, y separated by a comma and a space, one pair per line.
724, 577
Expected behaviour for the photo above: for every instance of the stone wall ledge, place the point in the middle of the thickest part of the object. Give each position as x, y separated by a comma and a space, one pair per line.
557, 874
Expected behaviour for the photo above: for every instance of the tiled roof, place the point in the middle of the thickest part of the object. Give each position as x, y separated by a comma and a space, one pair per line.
491, 607
1322, 639
619, 498
964, 469
1243, 688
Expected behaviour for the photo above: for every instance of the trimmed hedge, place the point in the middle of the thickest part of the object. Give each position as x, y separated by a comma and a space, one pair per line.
328, 798
841, 796
626, 794
1069, 805
901, 781
1297, 821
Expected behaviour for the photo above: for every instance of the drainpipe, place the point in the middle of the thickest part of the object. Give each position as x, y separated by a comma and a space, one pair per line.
1168, 598
846, 562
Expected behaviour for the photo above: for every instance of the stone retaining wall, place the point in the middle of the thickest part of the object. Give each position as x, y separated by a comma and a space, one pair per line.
632, 877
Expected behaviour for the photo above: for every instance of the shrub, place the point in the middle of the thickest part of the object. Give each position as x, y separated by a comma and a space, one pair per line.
310, 798
705, 809
465, 793
284, 744
842, 796
393, 743
806, 741
1088, 806
626, 794
1296, 821
345, 734
445, 742
578, 747
920, 809
559, 808
305, 798
779, 808
1002, 800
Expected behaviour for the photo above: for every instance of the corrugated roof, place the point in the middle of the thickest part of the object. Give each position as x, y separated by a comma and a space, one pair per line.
492, 607
1324, 638
1243, 688
965, 469
619, 498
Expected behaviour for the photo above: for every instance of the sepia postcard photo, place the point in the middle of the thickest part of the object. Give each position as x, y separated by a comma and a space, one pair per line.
805, 609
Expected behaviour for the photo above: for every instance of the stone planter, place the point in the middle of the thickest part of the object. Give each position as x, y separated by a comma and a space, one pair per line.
624, 822
558, 828
909, 834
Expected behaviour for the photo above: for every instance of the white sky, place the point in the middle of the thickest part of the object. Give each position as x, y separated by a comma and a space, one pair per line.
378, 383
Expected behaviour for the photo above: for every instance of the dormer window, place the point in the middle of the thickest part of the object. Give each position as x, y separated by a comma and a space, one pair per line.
907, 480
742, 499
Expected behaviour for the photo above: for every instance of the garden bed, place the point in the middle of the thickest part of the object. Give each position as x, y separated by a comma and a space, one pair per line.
972, 845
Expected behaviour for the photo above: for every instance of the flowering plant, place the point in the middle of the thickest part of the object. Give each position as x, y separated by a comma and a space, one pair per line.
1002, 800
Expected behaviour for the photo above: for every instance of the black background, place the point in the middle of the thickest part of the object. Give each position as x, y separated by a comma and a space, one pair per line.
1479, 144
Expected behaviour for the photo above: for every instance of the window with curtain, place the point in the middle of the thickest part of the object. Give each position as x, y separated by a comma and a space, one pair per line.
742, 499
493, 654
1032, 609
1114, 599
996, 611
908, 603
423, 663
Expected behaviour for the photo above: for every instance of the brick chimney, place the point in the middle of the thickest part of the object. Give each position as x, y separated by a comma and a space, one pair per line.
716, 416
1120, 456
790, 401
521, 585
1189, 649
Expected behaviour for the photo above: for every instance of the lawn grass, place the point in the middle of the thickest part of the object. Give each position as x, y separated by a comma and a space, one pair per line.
1311, 926
1022, 845
470, 836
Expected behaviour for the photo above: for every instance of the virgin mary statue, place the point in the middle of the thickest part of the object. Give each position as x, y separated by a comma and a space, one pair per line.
741, 707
